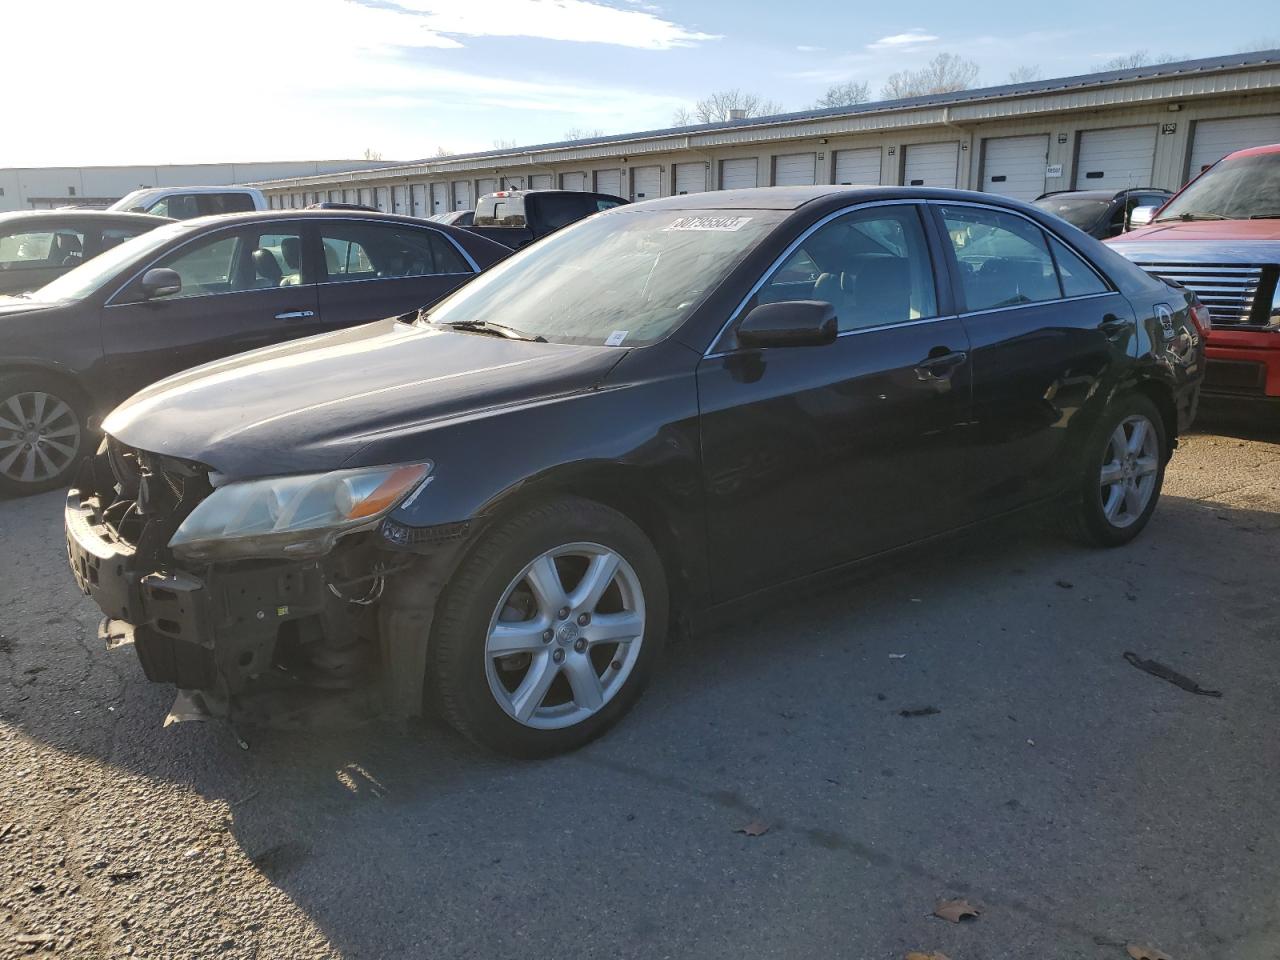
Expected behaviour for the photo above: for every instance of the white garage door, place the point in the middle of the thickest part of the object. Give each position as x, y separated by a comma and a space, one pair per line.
691, 178
439, 198
486, 186
1014, 166
461, 195
735, 174
1214, 139
400, 199
646, 183
1115, 159
540, 181
513, 183
573, 181
794, 170
858, 166
931, 164
383, 199
609, 181
366, 196
418, 200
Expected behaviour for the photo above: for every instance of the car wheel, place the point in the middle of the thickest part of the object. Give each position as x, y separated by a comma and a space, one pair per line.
1123, 474
549, 629
42, 433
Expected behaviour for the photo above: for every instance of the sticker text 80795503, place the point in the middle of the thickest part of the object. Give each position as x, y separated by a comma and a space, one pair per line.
708, 223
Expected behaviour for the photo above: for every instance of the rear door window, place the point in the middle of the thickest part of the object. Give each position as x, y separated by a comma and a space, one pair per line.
1004, 260
373, 251
45, 247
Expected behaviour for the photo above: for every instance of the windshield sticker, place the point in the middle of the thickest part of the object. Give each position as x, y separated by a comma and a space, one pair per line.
708, 223
615, 339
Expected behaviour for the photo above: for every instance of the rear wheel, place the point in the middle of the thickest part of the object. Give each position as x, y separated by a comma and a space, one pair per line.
548, 631
1123, 475
42, 433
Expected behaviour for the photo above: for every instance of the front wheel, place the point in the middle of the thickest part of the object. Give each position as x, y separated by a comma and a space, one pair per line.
42, 433
549, 630
1123, 475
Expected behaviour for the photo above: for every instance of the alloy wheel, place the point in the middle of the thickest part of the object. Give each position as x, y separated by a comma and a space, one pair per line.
39, 436
1130, 468
565, 636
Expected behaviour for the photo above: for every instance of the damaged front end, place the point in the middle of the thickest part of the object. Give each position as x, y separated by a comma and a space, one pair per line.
220, 627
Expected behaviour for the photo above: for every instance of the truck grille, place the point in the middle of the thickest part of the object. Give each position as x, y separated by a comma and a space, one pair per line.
1227, 289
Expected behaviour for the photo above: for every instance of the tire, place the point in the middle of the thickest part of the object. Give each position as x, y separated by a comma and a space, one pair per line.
1111, 514
43, 433
540, 700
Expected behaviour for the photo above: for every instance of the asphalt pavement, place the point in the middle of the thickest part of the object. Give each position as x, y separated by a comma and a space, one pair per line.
1080, 803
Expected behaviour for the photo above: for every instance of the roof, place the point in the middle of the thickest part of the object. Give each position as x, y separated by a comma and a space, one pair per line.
1257, 151
87, 216
792, 198
1080, 82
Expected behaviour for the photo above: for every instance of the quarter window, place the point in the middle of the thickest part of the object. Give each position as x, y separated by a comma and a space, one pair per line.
1078, 279
873, 266
1003, 259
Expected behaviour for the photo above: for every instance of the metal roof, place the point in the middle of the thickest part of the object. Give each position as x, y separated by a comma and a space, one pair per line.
1166, 80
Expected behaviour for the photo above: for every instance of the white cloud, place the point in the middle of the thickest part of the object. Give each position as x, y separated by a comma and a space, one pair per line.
912, 38
164, 81
807, 49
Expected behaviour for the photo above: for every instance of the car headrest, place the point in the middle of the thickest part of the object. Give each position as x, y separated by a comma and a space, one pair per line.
267, 266
291, 250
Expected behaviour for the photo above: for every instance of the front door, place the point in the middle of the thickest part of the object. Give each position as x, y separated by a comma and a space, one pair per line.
375, 270
814, 456
242, 288
1048, 336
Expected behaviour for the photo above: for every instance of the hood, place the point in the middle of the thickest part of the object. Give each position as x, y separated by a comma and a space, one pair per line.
313, 404
12, 306
1231, 241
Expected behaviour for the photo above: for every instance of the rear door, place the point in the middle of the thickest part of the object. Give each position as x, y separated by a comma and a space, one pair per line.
1048, 335
242, 288
373, 269
814, 456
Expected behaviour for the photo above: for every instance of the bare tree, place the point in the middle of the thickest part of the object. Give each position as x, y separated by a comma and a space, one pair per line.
845, 94
443, 151
1025, 74
578, 133
945, 73
372, 154
722, 105
1139, 58
503, 144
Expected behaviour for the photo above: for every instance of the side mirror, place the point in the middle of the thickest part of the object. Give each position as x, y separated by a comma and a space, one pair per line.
160, 282
792, 323
1141, 216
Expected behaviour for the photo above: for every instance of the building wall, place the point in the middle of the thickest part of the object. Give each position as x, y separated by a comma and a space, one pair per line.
27, 187
1062, 127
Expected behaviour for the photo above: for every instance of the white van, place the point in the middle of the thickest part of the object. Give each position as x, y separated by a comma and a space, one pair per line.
183, 203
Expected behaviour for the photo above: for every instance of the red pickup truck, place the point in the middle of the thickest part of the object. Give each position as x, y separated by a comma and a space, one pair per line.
1220, 236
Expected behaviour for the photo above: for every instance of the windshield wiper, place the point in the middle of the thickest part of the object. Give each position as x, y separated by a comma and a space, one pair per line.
1265, 216
493, 329
1192, 216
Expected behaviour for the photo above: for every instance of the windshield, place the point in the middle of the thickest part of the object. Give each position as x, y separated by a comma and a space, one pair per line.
629, 277
1235, 189
129, 200
1082, 212
92, 274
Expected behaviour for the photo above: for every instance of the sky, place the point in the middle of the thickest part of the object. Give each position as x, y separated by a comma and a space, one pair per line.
187, 81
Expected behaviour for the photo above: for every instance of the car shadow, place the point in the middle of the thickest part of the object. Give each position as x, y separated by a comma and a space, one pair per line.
810, 717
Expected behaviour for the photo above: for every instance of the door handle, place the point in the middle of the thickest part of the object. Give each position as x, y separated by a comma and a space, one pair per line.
295, 315
1112, 326
940, 367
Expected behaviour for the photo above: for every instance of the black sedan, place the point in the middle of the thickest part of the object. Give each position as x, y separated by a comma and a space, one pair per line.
37, 246
660, 412
1101, 213
195, 291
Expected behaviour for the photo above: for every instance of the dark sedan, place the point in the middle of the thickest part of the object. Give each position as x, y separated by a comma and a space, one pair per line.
1101, 213
660, 412
37, 246
195, 291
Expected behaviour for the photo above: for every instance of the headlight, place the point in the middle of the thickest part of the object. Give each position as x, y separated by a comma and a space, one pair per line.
298, 516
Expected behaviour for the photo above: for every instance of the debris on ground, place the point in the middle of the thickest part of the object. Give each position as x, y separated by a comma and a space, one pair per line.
1158, 669
897, 656
756, 828
1140, 952
934, 955
1065, 584
956, 910
919, 712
